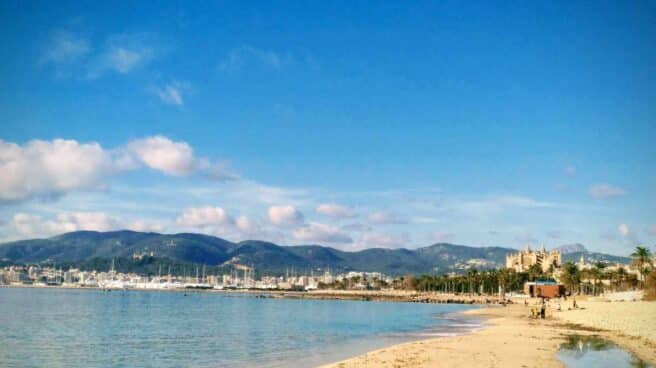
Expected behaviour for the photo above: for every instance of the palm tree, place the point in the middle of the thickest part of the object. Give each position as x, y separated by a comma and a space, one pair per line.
621, 276
506, 277
641, 257
472, 278
597, 273
491, 281
613, 277
535, 272
570, 276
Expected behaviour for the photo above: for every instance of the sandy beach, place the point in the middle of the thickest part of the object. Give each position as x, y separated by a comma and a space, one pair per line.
633, 319
511, 339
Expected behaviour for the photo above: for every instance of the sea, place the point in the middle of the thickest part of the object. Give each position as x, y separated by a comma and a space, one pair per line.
54, 327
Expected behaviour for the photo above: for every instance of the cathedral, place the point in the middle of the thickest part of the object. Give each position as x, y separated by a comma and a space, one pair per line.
522, 260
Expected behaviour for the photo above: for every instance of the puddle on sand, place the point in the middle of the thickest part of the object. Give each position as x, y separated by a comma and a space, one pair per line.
594, 351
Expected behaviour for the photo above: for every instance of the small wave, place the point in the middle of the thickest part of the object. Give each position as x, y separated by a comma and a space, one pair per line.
436, 334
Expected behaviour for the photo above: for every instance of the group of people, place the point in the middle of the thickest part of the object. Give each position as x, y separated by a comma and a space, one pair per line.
541, 311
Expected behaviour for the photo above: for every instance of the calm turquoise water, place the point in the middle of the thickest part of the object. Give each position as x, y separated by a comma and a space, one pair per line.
88, 328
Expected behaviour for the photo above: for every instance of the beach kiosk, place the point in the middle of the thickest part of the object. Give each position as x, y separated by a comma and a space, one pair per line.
544, 289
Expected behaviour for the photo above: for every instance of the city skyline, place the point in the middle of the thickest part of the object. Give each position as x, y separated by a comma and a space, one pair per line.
351, 126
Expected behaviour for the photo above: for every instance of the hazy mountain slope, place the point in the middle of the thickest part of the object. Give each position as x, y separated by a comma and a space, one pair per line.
571, 248
270, 258
83, 245
592, 257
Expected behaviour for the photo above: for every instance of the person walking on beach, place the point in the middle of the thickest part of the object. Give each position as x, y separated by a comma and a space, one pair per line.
543, 309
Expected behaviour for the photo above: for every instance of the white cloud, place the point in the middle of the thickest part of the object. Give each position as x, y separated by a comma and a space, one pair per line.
285, 215
623, 229
141, 225
49, 169
217, 221
65, 48
570, 171
204, 216
30, 226
98, 221
123, 60
242, 56
605, 191
441, 236
356, 227
492, 206
171, 93
72, 53
380, 240
247, 226
248, 191
516, 201
123, 53
214, 170
334, 210
43, 168
163, 154
316, 232
170, 157
385, 218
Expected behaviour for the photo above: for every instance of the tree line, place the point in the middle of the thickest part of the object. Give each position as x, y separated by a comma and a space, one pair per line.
596, 279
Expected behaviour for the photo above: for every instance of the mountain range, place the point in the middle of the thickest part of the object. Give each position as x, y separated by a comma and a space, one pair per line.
268, 258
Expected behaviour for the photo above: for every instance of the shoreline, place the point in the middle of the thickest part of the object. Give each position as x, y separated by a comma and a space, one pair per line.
509, 338
323, 294
466, 324
460, 350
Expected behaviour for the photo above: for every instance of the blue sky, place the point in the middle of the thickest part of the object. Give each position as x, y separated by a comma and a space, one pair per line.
350, 125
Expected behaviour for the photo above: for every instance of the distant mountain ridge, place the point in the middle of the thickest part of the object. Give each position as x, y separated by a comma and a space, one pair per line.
571, 248
269, 258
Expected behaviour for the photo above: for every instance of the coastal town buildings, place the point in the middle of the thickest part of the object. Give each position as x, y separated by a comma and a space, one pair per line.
523, 260
627, 269
243, 278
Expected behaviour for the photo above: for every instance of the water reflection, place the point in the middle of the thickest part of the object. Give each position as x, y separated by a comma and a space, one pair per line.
594, 351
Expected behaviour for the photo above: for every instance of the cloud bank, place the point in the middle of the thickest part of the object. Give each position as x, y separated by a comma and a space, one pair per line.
285, 215
48, 169
334, 210
316, 232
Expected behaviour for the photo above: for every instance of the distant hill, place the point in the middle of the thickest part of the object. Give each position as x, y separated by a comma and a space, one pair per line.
89, 247
571, 248
592, 257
